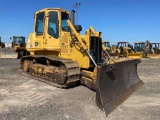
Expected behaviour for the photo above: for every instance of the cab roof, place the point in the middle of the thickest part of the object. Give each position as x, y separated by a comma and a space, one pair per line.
122, 42
155, 43
18, 36
139, 42
46, 9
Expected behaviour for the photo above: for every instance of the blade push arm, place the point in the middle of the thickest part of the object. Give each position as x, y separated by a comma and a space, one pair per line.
80, 41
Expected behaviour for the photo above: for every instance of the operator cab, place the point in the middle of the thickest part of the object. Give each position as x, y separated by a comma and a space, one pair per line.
54, 19
107, 44
139, 46
18, 41
51, 27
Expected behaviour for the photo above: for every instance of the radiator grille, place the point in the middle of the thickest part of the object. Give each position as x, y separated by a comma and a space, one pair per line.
96, 48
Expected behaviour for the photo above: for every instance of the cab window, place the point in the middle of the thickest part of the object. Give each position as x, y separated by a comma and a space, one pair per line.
53, 27
64, 18
39, 23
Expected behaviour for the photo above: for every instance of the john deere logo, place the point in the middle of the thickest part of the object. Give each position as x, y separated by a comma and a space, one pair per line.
36, 44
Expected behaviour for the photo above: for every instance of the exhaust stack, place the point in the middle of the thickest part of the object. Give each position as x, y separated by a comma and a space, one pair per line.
77, 27
72, 17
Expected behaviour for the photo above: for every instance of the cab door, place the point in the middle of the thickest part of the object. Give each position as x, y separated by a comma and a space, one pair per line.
37, 42
51, 41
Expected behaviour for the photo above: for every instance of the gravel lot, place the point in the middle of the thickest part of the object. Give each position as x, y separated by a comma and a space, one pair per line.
22, 98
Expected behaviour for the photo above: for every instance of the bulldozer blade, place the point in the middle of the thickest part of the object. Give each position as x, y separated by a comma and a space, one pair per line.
134, 55
115, 83
153, 56
114, 55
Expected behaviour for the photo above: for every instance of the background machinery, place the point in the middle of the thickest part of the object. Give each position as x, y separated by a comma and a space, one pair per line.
17, 50
4, 51
106, 50
144, 48
140, 47
107, 45
111, 51
19, 45
114, 49
152, 50
147, 49
156, 48
155, 51
124, 49
60, 54
2, 45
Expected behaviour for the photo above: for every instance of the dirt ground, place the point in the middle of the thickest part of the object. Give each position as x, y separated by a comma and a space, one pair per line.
23, 98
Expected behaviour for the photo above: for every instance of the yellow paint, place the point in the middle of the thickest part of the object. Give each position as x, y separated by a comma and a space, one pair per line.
48, 45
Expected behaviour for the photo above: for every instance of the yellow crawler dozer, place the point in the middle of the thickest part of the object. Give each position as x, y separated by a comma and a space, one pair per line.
17, 50
151, 50
155, 50
19, 45
59, 54
124, 49
107, 45
109, 51
140, 47
146, 49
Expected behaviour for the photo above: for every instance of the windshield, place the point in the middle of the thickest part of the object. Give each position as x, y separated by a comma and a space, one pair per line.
19, 40
139, 46
64, 18
106, 44
153, 45
142, 45
53, 26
